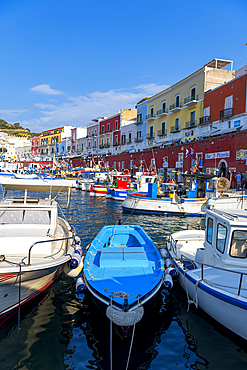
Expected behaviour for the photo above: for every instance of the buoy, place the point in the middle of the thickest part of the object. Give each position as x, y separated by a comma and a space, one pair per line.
164, 253
73, 272
168, 283
80, 285
173, 272
168, 262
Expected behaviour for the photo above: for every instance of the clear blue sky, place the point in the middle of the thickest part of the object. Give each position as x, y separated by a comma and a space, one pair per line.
68, 61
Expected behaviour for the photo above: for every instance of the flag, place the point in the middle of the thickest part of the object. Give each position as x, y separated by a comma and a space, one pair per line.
187, 153
192, 152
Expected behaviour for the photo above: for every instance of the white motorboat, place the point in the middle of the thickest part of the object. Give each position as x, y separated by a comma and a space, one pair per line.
212, 267
204, 193
35, 245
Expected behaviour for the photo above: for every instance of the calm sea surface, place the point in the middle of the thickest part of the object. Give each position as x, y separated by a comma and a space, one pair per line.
64, 330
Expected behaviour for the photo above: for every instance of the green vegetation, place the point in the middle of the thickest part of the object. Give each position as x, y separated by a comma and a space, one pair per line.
16, 129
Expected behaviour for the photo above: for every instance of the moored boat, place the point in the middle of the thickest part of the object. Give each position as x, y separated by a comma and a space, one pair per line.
212, 267
123, 270
35, 245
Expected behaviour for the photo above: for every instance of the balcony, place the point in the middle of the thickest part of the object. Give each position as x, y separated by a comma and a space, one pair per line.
129, 142
150, 117
101, 146
138, 122
175, 107
138, 139
115, 144
175, 129
191, 124
162, 112
162, 133
190, 100
226, 113
204, 120
150, 136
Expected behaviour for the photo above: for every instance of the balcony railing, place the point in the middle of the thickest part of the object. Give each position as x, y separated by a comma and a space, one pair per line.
191, 123
162, 133
129, 142
162, 111
138, 122
138, 139
226, 113
190, 100
150, 116
151, 136
115, 144
175, 128
176, 106
205, 119
101, 146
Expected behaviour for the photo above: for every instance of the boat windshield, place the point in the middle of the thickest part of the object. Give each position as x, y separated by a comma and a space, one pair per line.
239, 244
8, 217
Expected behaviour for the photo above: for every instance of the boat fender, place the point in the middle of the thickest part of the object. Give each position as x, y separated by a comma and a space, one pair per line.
168, 283
78, 250
122, 318
168, 262
75, 260
164, 253
80, 285
173, 272
210, 203
73, 272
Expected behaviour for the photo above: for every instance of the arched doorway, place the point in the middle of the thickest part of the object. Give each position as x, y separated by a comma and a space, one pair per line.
222, 168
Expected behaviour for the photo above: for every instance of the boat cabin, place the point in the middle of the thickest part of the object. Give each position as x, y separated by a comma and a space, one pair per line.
122, 181
226, 239
200, 185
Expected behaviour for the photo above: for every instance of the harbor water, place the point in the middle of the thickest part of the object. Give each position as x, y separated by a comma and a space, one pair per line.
62, 329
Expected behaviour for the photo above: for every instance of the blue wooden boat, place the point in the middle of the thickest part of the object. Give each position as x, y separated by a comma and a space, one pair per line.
123, 270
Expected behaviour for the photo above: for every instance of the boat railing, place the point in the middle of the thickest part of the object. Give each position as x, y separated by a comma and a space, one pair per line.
48, 241
203, 265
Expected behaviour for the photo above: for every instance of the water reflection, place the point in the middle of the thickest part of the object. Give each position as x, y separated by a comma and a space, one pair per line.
64, 330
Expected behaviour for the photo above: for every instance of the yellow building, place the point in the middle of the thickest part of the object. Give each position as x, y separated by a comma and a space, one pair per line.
181, 105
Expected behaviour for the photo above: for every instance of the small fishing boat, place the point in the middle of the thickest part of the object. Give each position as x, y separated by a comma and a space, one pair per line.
123, 270
114, 181
212, 267
35, 244
203, 193
121, 190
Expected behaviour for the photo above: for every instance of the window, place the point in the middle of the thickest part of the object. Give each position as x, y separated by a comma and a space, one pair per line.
130, 137
131, 163
77, 147
139, 117
193, 93
116, 139
122, 165
210, 231
192, 118
108, 127
89, 133
102, 129
81, 146
95, 132
177, 101
151, 131
116, 125
239, 244
151, 111
108, 142
89, 144
94, 143
180, 157
102, 143
221, 238
164, 107
114, 164
139, 134
123, 139
163, 128
177, 124
228, 102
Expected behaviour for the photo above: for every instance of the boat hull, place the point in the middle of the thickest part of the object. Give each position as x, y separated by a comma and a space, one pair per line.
191, 207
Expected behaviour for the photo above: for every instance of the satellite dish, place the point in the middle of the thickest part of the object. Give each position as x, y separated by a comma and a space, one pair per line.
222, 184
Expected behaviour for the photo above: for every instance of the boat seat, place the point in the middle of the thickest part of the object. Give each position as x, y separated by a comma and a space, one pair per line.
123, 257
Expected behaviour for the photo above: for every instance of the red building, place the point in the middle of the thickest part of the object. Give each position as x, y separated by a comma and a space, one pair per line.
35, 149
